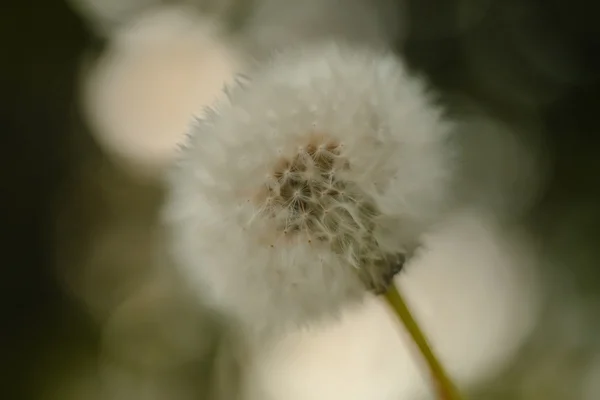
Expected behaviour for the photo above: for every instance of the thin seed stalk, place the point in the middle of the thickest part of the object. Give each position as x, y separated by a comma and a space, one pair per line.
445, 387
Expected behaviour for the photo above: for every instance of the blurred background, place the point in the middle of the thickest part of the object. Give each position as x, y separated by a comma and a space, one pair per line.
94, 95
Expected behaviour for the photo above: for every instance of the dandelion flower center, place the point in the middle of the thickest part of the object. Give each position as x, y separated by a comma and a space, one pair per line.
308, 197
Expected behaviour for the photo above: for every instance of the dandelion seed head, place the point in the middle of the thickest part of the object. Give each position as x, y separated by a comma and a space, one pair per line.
349, 166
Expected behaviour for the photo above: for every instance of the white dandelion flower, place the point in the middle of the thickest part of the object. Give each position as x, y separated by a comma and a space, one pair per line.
309, 183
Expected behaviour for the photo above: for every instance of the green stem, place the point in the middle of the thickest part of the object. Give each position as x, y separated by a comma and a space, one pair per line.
445, 388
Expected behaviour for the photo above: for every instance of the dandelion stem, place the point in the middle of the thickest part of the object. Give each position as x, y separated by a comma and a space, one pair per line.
445, 388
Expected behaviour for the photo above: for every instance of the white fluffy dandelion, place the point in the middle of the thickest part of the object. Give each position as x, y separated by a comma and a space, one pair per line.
313, 180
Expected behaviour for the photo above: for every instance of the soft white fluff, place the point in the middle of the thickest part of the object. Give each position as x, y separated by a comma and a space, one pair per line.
159, 68
269, 265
